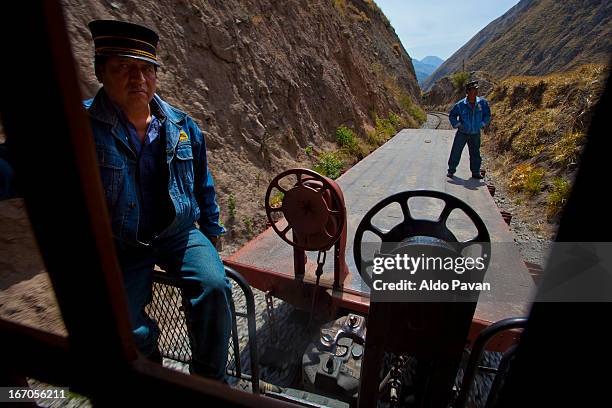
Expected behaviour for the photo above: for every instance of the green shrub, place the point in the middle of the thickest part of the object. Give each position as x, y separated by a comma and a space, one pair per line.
385, 128
525, 177
231, 205
567, 149
345, 137
373, 138
417, 113
406, 102
533, 184
329, 165
276, 201
413, 110
395, 120
557, 197
308, 150
459, 80
248, 225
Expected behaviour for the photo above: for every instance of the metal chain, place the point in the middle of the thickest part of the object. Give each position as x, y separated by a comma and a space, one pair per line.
320, 262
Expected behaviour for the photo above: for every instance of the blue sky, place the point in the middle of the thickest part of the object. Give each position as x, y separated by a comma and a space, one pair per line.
440, 27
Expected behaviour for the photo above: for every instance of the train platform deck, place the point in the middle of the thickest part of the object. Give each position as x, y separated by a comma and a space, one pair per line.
414, 159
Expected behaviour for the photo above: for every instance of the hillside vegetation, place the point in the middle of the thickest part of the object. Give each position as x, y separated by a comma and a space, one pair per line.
537, 37
538, 132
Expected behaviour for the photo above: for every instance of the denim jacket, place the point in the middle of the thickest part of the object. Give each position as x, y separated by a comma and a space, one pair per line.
190, 184
470, 120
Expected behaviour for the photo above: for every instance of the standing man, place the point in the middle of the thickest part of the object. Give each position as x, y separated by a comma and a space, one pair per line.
152, 161
468, 116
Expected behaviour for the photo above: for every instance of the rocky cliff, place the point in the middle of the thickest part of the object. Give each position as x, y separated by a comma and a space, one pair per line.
537, 37
264, 79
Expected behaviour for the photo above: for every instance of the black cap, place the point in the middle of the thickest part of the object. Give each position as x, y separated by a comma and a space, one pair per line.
124, 40
470, 85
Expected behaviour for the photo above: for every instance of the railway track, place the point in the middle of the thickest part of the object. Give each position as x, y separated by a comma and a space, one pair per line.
440, 119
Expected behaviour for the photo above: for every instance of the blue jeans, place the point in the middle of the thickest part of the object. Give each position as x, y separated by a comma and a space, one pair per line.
473, 142
190, 256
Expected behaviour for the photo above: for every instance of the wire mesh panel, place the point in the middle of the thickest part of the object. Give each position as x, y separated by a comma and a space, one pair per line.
169, 309
239, 337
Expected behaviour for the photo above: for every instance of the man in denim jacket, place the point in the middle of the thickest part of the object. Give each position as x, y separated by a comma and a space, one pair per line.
468, 116
152, 160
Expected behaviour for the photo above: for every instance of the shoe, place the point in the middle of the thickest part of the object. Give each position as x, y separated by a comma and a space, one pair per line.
450, 175
477, 176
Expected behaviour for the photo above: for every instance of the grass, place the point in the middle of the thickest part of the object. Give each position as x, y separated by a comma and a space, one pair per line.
309, 151
231, 205
358, 14
386, 128
538, 130
527, 178
374, 7
533, 183
413, 110
374, 138
346, 8
528, 147
276, 201
566, 150
558, 196
412, 114
329, 165
345, 137
340, 5
248, 225
350, 144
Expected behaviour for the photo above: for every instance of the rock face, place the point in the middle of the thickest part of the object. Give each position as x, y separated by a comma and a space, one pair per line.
537, 37
263, 78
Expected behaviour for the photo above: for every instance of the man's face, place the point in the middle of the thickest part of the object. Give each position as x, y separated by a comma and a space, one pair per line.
472, 93
129, 82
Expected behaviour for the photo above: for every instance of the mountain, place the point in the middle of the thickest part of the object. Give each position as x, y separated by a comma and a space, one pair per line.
425, 67
537, 37
432, 60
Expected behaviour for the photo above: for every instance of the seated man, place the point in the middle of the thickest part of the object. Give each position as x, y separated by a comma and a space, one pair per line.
153, 165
